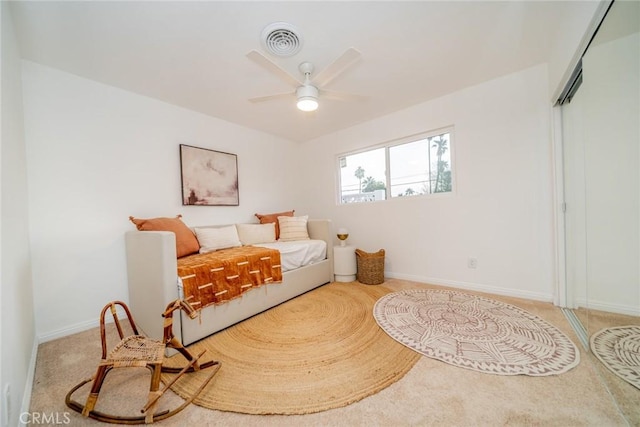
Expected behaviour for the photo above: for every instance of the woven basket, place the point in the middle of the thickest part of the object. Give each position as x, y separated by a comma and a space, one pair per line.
370, 267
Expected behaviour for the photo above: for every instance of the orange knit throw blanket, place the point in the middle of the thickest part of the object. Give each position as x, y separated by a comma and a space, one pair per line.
216, 277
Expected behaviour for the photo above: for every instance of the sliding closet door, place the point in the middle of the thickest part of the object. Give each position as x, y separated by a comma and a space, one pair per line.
601, 149
611, 122
601, 139
575, 206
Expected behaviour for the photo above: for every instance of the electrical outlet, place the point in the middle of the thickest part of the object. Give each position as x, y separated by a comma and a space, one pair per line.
6, 404
472, 262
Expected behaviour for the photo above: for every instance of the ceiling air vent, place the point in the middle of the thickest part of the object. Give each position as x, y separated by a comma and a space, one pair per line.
281, 39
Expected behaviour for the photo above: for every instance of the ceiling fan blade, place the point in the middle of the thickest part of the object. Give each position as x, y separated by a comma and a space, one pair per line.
272, 97
337, 67
342, 96
273, 68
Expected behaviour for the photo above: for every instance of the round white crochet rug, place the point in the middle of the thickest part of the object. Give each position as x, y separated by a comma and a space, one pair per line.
619, 350
475, 333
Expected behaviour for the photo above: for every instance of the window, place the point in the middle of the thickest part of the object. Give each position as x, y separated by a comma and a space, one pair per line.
412, 166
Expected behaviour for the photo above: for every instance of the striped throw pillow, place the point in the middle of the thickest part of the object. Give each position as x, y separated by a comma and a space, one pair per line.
293, 228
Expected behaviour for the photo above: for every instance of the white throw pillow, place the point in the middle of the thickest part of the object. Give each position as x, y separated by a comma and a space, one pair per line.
293, 228
252, 234
215, 238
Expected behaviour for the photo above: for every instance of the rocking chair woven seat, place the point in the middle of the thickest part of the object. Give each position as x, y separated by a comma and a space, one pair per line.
139, 351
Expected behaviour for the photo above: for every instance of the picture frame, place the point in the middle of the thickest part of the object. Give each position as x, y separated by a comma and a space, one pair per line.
208, 177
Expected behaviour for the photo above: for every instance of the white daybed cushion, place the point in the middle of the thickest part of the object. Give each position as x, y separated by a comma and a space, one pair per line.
299, 253
251, 234
215, 238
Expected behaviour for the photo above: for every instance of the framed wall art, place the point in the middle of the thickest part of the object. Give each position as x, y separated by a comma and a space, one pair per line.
209, 178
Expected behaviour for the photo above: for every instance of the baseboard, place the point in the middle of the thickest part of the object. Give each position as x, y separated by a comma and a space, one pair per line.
516, 293
70, 330
609, 307
28, 386
78, 327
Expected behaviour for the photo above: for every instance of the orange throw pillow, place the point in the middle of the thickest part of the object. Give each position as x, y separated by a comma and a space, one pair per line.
186, 242
268, 218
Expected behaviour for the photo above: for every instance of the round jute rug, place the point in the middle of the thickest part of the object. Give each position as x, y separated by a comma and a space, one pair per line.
475, 333
319, 351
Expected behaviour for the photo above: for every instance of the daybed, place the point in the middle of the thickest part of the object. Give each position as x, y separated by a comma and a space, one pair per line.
153, 283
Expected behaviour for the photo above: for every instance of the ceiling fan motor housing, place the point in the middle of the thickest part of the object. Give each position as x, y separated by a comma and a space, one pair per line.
307, 91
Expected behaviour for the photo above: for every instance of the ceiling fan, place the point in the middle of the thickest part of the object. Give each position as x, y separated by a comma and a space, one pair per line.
310, 88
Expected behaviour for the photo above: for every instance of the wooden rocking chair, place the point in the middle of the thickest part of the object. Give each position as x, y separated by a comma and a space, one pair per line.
140, 351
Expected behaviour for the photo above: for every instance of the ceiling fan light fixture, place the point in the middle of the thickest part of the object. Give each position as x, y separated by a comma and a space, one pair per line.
307, 103
307, 98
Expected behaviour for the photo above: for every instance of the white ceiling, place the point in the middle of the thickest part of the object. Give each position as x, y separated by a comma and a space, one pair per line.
193, 54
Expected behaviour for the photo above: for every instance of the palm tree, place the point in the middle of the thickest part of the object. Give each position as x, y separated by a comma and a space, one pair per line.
367, 184
370, 184
446, 177
359, 174
441, 144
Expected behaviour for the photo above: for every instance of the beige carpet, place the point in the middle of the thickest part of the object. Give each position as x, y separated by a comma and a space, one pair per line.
432, 393
619, 350
477, 333
319, 351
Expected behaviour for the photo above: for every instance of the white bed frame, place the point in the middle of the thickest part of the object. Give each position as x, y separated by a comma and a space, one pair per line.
153, 283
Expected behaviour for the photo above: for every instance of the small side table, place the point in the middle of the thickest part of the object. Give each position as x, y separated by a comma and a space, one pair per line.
344, 263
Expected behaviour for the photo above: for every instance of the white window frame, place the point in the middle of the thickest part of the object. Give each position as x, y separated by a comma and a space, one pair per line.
393, 143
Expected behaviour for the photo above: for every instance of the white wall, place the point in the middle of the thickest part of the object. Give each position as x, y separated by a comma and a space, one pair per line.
611, 135
17, 355
501, 212
98, 154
